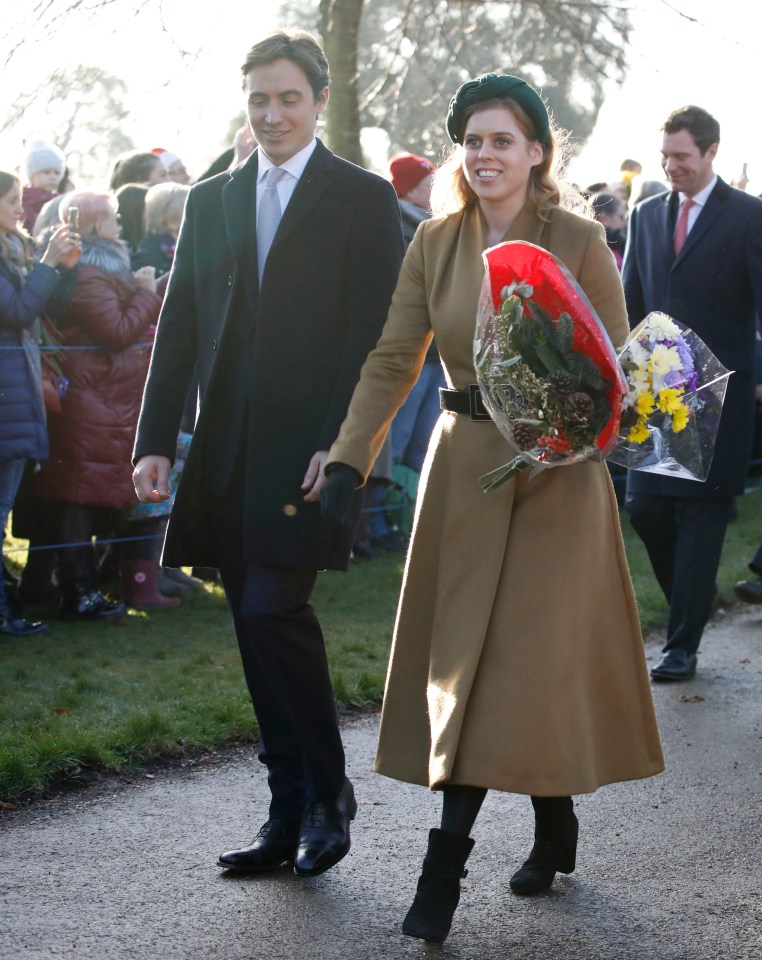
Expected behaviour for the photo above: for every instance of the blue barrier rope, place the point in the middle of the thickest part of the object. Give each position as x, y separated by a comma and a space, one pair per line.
102, 542
83, 543
616, 479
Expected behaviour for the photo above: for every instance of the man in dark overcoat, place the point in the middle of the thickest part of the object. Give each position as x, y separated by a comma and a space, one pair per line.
281, 282
695, 253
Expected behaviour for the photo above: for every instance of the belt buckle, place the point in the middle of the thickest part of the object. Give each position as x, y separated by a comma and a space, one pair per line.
476, 407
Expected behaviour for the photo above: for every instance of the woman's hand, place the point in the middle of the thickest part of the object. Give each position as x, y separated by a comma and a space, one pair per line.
145, 278
61, 243
337, 490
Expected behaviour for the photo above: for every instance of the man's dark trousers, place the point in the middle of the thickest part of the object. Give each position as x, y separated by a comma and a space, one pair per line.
285, 665
683, 537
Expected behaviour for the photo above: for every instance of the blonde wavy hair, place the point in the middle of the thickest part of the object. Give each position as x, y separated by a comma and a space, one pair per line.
165, 203
547, 186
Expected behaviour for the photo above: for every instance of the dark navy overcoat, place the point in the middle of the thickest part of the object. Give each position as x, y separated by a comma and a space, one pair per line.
714, 287
276, 365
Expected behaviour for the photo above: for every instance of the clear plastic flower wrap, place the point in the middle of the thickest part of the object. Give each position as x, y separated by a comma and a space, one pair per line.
672, 408
558, 391
547, 370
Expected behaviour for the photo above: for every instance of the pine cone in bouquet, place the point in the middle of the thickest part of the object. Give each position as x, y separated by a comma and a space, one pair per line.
579, 406
561, 383
524, 434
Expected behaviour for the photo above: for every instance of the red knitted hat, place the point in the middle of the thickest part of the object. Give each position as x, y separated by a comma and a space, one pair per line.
408, 170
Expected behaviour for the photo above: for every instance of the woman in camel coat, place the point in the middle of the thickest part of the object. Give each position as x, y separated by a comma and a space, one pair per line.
518, 661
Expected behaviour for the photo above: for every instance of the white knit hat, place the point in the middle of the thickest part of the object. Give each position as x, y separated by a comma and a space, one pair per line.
43, 156
167, 158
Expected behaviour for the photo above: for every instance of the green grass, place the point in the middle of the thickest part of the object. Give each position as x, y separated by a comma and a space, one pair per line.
160, 684
114, 696
743, 537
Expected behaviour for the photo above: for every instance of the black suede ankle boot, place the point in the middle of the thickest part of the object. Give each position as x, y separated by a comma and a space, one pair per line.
555, 845
438, 892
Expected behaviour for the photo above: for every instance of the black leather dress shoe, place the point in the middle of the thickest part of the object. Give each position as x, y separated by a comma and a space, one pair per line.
676, 664
750, 591
324, 833
274, 846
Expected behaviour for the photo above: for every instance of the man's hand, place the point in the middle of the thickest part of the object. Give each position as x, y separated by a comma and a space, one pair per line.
151, 479
314, 478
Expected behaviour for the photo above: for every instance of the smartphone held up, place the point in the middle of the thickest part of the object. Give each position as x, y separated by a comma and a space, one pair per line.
71, 258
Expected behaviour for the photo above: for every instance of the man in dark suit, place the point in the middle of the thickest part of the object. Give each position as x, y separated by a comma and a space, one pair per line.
278, 315
695, 253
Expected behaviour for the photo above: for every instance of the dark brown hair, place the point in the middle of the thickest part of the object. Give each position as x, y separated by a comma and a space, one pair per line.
131, 199
701, 125
133, 168
6, 182
298, 46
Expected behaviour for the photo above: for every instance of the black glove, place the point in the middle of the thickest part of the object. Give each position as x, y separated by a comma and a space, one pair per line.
341, 482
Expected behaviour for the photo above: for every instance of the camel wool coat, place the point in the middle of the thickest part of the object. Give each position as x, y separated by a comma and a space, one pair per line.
517, 661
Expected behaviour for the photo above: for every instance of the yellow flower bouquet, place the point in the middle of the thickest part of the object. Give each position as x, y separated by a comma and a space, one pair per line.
675, 391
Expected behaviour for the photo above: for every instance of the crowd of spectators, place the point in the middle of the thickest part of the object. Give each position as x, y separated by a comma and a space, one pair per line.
76, 329
82, 276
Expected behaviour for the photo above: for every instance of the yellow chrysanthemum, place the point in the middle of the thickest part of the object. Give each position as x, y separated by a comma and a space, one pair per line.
645, 404
639, 432
669, 400
680, 419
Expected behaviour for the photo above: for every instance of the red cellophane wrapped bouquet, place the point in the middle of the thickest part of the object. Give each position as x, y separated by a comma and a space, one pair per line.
558, 390
547, 370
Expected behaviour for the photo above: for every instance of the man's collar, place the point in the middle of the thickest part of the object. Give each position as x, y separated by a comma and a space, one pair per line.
294, 165
703, 195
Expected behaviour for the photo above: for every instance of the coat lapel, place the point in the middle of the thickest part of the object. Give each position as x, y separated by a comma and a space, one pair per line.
666, 219
713, 208
317, 177
238, 201
527, 226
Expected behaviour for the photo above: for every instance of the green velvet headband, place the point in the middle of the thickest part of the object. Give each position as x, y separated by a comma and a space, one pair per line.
490, 87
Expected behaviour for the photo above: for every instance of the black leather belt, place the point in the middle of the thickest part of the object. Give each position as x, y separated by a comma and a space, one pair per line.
464, 401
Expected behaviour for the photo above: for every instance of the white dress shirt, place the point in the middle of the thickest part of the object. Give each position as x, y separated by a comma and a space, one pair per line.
698, 202
294, 167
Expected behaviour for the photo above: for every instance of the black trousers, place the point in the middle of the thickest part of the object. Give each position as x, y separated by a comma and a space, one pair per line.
78, 523
683, 537
286, 670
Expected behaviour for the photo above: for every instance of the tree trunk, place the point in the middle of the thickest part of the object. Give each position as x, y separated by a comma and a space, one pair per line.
339, 29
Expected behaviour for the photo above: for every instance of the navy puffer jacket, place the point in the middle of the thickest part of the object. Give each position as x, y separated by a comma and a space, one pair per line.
23, 434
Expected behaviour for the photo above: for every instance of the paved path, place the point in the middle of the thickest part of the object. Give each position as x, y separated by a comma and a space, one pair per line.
669, 868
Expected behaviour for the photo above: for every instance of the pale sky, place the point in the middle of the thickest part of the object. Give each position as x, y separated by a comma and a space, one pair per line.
186, 106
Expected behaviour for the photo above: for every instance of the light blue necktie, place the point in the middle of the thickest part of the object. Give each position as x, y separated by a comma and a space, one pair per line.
268, 216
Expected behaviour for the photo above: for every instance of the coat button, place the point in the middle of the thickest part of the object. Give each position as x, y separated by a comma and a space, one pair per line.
229, 281
214, 344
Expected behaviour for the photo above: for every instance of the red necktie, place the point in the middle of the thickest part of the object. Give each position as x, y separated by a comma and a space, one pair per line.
681, 231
